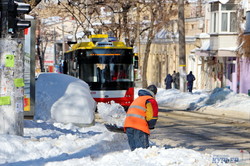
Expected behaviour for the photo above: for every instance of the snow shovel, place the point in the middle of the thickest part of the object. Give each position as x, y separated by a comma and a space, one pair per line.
114, 128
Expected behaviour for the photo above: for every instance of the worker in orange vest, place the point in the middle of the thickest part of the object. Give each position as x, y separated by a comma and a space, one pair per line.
141, 116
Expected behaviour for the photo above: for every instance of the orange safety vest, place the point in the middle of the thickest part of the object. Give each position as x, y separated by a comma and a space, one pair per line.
136, 115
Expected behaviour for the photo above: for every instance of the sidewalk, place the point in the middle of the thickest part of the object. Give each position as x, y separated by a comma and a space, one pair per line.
235, 114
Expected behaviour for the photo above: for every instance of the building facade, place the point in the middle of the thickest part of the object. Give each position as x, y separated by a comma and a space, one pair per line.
220, 49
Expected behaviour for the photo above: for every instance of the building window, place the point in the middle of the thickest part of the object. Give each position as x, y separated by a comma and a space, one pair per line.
214, 22
230, 71
215, 7
231, 68
224, 21
228, 6
225, 15
228, 22
233, 22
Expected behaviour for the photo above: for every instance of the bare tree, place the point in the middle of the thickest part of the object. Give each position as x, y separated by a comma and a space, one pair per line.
33, 3
160, 13
44, 36
120, 18
110, 16
243, 39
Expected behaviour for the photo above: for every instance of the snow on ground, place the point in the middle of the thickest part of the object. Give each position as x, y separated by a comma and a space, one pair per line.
220, 101
63, 98
58, 144
218, 98
51, 143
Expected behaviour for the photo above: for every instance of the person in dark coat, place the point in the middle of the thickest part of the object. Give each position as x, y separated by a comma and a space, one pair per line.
190, 80
177, 81
65, 67
168, 81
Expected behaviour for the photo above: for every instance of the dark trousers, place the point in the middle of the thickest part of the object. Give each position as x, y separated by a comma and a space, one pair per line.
137, 138
168, 85
190, 86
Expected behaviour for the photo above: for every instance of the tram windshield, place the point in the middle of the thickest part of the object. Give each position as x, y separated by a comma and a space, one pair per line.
102, 68
102, 73
106, 68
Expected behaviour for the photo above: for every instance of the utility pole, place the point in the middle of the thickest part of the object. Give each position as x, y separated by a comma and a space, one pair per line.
182, 45
139, 68
11, 66
63, 40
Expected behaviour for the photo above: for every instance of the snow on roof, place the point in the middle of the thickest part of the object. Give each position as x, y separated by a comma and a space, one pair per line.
221, 1
204, 35
228, 49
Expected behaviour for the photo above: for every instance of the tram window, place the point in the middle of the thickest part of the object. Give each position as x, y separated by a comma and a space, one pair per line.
65, 67
86, 72
136, 62
74, 65
102, 73
106, 72
121, 72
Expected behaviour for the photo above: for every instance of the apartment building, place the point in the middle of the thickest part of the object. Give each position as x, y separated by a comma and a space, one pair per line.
219, 52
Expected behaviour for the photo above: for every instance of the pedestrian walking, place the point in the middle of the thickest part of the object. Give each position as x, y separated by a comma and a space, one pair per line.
174, 76
141, 116
168, 81
177, 81
190, 80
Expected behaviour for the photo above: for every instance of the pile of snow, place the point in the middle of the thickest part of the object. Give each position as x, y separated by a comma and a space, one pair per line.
221, 101
112, 113
227, 99
63, 98
178, 100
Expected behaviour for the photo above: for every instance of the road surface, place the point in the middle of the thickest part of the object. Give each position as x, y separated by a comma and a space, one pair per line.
199, 131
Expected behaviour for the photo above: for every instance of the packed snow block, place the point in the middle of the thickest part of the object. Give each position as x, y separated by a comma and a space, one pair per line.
63, 98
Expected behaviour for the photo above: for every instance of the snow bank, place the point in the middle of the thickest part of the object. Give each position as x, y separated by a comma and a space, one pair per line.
177, 100
112, 113
65, 144
221, 101
63, 98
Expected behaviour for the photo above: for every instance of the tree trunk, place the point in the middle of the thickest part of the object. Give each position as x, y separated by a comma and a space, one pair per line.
39, 54
147, 50
146, 56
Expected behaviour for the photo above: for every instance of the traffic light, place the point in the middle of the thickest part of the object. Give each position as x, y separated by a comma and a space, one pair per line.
16, 11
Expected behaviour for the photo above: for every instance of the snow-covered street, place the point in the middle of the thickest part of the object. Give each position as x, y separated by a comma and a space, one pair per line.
199, 131
58, 144
47, 142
